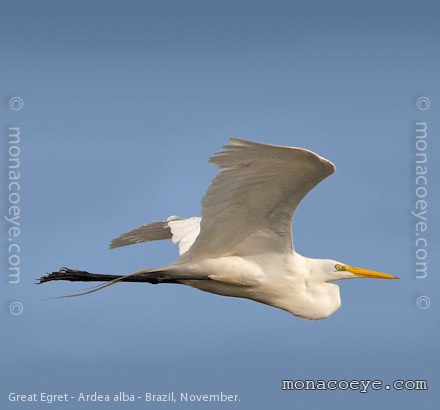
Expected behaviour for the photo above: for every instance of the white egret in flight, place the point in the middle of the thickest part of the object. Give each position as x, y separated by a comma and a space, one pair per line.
241, 246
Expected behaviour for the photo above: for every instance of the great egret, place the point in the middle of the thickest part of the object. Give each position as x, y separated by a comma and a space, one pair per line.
241, 246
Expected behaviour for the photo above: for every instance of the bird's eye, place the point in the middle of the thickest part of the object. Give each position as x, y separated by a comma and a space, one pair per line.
338, 267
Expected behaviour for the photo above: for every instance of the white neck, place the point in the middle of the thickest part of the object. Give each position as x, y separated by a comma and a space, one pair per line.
305, 295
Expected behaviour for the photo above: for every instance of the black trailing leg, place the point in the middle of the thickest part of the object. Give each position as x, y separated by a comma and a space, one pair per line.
150, 277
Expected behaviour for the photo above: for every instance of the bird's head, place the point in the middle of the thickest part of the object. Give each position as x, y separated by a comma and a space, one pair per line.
330, 270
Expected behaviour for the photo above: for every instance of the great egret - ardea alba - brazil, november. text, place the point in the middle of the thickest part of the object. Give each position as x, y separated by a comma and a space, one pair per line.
241, 246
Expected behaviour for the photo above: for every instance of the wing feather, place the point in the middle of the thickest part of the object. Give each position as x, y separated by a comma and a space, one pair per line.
180, 230
250, 204
154, 231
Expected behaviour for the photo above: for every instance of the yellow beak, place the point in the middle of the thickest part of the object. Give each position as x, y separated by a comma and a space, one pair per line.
365, 273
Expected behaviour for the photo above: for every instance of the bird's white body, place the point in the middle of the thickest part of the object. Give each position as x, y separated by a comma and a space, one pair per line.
284, 284
241, 246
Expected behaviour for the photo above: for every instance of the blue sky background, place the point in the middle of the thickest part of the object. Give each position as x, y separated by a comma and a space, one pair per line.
123, 104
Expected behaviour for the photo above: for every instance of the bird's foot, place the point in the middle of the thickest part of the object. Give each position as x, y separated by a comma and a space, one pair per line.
72, 275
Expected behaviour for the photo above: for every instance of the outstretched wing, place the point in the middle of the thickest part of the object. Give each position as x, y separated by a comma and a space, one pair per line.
154, 231
249, 206
182, 232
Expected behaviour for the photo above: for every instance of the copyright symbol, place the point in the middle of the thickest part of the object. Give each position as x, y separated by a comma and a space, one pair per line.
16, 103
423, 103
16, 308
423, 302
